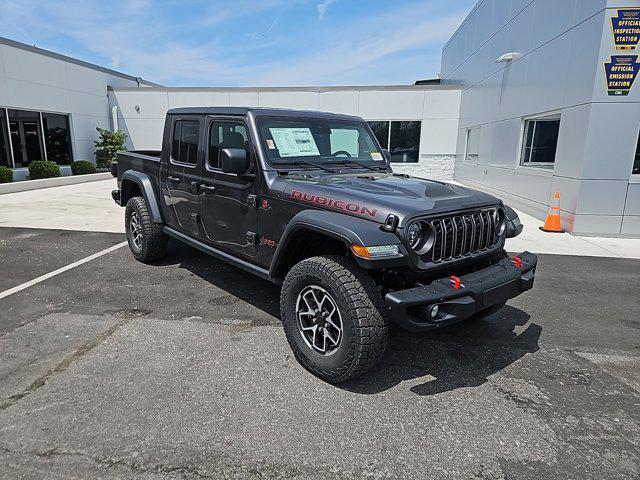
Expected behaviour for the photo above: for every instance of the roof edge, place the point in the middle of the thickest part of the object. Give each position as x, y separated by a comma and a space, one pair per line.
82, 63
326, 88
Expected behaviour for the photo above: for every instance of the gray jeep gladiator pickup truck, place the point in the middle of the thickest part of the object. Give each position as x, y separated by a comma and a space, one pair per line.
309, 200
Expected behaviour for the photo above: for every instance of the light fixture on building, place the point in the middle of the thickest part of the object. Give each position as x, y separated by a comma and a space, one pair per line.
507, 57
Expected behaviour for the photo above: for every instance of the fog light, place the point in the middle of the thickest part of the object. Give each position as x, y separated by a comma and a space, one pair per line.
433, 311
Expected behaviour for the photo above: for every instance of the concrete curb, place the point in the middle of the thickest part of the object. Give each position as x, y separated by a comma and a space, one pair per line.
26, 185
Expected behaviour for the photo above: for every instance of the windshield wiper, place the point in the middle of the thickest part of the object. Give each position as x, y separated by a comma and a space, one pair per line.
363, 165
299, 162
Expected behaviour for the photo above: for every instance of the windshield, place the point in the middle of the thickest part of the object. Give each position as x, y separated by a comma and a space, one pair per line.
298, 140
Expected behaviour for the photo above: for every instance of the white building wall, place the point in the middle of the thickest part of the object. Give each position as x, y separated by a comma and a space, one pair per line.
30, 80
561, 46
437, 107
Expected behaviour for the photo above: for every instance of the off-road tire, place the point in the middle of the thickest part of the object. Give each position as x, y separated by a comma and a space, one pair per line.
154, 240
359, 300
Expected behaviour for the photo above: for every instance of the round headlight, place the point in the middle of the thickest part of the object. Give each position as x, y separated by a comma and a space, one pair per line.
421, 237
499, 220
414, 235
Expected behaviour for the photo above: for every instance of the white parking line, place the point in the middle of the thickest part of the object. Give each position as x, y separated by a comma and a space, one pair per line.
60, 270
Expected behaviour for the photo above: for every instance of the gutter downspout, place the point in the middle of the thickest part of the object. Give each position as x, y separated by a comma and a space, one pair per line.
114, 118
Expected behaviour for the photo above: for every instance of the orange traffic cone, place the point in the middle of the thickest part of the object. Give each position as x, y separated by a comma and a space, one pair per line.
552, 223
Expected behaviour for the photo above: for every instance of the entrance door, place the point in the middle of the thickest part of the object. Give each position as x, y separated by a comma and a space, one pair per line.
181, 176
228, 201
26, 137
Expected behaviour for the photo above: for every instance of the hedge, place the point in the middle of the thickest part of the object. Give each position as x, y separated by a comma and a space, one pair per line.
6, 174
83, 167
43, 169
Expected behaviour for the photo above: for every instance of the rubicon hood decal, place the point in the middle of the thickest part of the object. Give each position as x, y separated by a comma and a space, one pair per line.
376, 195
333, 203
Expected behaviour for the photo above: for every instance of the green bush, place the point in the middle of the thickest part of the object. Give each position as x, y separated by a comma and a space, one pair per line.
43, 169
6, 174
107, 146
83, 167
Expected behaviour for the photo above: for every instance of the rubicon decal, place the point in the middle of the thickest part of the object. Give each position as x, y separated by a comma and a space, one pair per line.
333, 203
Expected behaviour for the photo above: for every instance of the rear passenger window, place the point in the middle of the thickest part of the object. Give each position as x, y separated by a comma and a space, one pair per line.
225, 135
184, 148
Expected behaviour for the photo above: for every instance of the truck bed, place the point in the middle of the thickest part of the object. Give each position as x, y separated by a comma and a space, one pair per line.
144, 161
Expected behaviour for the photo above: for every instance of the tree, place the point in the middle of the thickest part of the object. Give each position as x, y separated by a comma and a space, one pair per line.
107, 146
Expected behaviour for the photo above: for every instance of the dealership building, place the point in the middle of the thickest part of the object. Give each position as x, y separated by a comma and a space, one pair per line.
534, 97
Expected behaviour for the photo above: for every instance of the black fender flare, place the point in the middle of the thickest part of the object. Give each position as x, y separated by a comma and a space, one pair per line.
345, 228
146, 187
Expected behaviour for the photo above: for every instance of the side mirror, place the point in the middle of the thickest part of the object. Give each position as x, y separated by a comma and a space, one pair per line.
514, 227
234, 160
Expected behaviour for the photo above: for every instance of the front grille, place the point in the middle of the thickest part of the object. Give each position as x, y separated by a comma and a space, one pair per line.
459, 235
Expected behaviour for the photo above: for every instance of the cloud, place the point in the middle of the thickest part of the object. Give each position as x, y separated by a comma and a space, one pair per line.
192, 43
322, 8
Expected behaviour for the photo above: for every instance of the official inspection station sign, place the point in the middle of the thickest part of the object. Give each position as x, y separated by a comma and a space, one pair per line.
620, 72
626, 28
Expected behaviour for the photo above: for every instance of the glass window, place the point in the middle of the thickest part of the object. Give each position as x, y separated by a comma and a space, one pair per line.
381, 131
540, 141
404, 142
184, 148
472, 151
26, 137
636, 162
285, 140
226, 135
57, 138
5, 154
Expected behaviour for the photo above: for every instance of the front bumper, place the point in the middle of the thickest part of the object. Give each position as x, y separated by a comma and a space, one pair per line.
478, 291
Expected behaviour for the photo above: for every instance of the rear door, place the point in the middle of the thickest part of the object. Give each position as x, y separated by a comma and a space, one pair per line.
181, 176
228, 201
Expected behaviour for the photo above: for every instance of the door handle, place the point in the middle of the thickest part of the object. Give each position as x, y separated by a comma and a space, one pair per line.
173, 179
204, 188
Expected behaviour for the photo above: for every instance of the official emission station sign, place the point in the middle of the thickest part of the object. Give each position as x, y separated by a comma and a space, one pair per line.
620, 72
626, 28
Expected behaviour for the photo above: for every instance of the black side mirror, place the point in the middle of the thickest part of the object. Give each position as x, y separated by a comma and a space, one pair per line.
234, 160
514, 227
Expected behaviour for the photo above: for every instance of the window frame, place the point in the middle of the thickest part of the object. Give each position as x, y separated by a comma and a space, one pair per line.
173, 132
387, 147
537, 166
635, 177
42, 139
210, 123
466, 145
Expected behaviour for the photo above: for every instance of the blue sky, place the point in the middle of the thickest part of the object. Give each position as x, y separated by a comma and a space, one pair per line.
245, 42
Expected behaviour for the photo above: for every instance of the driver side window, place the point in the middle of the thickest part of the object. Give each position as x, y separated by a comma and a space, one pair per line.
225, 134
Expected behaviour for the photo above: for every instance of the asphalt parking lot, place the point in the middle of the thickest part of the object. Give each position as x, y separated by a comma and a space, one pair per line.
116, 369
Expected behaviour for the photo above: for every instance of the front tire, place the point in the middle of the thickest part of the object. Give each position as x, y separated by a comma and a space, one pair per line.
334, 317
147, 241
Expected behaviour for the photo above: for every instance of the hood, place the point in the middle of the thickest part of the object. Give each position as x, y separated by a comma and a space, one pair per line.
374, 195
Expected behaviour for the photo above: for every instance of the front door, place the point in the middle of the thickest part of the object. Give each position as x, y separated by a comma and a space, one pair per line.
182, 174
228, 201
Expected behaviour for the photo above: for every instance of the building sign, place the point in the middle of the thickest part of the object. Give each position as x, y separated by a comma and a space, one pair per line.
626, 28
620, 72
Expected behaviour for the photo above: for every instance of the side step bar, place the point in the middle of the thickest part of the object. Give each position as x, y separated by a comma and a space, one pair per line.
237, 262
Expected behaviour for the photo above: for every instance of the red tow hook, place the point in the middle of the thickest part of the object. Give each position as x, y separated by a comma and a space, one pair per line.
517, 261
457, 283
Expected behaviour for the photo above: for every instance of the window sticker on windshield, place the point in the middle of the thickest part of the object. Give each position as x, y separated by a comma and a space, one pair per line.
270, 144
376, 156
294, 142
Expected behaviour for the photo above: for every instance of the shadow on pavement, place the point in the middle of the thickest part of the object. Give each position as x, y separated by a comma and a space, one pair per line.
249, 288
461, 355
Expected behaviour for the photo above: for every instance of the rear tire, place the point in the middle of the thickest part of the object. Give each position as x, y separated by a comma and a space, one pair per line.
147, 241
320, 284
